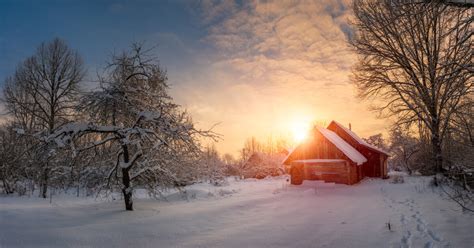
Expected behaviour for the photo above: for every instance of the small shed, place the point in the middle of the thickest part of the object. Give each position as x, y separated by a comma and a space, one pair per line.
335, 154
325, 156
376, 165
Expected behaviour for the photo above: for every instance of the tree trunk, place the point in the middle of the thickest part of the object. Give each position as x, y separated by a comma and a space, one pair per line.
6, 187
437, 153
44, 183
127, 190
407, 166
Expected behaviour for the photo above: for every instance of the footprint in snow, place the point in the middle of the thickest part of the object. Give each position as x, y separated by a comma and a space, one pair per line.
420, 228
433, 235
428, 245
405, 242
403, 220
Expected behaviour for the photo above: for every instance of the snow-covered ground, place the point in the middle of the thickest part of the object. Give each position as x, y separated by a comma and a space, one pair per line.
248, 213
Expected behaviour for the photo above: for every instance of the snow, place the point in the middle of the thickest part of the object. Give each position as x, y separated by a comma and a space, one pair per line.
246, 213
359, 140
290, 151
19, 130
347, 149
148, 115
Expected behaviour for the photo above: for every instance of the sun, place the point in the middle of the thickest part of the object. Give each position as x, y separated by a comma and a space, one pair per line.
299, 131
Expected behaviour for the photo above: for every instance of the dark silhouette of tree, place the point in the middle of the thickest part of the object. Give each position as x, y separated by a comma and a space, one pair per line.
417, 58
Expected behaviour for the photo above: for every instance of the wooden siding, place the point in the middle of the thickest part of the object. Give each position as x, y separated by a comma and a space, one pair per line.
317, 147
337, 172
376, 165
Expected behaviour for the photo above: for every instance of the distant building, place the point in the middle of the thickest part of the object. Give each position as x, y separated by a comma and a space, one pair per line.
335, 154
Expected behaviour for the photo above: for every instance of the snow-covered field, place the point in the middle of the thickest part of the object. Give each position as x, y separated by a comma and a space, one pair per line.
248, 213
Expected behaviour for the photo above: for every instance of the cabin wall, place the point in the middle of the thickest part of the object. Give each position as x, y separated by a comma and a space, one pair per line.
384, 166
343, 172
369, 168
376, 165
317, 148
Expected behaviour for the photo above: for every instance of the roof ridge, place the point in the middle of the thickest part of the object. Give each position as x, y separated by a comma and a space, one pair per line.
359, 139
342, 145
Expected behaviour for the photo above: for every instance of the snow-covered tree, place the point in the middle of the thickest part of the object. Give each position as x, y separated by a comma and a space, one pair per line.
404, 149
259, 159
13, 171
132, 115
213, 165
41, 96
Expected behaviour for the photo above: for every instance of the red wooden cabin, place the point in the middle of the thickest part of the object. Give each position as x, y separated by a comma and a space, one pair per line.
376, 165
335, 154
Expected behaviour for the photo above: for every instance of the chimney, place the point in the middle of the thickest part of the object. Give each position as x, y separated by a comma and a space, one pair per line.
350, 127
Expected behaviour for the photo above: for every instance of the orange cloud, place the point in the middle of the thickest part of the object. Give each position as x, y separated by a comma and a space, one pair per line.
277, 62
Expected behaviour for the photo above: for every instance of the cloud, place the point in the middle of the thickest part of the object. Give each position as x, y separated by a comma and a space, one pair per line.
285, 44
275, 62
213, 10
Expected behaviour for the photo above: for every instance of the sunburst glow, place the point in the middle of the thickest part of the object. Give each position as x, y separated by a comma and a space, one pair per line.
300, 130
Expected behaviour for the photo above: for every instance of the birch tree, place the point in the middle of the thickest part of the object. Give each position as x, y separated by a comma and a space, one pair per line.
416, 57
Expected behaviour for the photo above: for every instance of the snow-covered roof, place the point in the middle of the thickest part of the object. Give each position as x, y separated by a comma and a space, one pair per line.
347, 149
290, 151
319, 161
360, 140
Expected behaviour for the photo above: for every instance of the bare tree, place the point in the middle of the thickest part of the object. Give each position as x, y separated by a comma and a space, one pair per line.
133, 116
45, 86
377, 140
213, 165
463, 124
11, 171
417, 57
404, 149
43, 92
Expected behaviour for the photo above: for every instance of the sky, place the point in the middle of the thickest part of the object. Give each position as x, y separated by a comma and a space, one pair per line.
257, 68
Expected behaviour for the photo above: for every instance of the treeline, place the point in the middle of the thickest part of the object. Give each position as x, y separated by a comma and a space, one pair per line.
256, 159
127, 132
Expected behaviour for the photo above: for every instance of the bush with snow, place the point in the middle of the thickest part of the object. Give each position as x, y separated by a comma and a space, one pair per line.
397, 179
